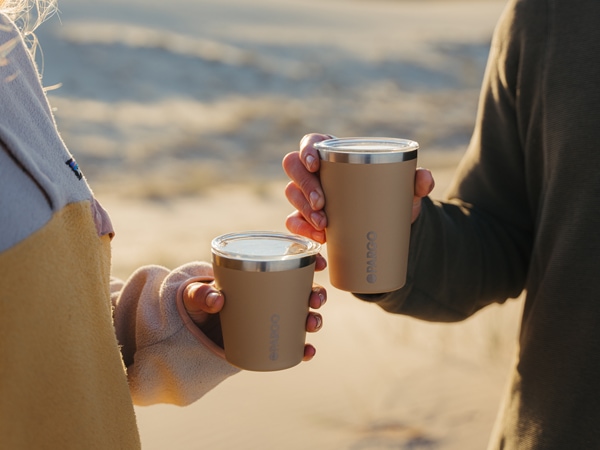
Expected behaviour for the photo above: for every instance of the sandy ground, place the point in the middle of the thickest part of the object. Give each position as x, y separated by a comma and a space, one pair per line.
179, 113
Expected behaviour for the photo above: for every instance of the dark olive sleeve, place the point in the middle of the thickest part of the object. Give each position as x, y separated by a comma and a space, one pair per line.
473, 248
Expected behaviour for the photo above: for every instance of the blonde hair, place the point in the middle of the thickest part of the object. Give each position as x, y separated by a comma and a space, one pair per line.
28, 14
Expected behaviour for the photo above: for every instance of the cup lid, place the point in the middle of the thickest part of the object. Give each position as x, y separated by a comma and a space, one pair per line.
263, 250
367, 150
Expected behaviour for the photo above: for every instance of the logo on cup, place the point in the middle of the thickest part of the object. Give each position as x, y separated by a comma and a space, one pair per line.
274, 338
371, 257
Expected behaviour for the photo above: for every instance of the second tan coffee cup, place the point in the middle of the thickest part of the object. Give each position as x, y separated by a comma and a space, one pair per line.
266, 278
369, 187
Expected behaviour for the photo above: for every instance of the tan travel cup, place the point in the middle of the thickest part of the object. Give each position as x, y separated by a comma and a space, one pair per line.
266, 278
369, 186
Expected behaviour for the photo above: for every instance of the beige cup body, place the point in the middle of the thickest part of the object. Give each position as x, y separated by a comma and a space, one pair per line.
369, 208
264, 317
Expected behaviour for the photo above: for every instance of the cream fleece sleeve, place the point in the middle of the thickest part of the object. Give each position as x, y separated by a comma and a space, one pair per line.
168, 359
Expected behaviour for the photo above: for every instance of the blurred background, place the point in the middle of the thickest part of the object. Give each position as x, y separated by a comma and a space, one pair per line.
179, 114
164, 98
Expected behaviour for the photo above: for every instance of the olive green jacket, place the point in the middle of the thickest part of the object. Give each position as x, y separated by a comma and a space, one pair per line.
522, 214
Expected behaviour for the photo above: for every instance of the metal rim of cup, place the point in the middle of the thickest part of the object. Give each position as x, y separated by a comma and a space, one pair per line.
264, 263
367, 150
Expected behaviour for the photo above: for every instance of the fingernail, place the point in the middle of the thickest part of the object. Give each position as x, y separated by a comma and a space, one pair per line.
310, 160
319, 320
321, 298
317, 219
211, 299
313, 198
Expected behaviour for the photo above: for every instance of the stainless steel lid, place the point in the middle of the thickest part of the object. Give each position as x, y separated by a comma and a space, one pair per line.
263, 251
363, 150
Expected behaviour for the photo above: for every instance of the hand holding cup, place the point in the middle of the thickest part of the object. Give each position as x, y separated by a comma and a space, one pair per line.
360, 195
305, 193
267, 279
203, 302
